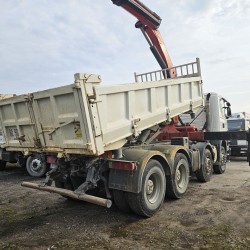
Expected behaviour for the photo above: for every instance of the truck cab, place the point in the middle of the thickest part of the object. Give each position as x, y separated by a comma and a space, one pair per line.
239, 122
218, 111
212, 116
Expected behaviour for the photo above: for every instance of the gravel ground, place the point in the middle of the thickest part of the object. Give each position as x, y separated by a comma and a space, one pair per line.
213, 215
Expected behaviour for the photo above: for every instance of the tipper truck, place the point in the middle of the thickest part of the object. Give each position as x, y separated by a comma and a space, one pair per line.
123, 139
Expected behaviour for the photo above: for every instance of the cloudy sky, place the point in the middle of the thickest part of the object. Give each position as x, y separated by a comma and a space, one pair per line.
43, 43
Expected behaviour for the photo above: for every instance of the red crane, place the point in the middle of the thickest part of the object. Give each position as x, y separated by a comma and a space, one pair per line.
149, 22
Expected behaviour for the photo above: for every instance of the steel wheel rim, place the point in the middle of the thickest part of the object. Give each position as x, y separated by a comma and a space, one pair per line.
223, 159
208, 165
35, 165
180, 176
153, 188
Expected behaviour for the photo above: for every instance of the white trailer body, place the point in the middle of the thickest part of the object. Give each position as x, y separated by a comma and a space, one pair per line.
87, 118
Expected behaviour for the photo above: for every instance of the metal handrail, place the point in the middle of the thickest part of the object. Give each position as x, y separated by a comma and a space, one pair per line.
185, 70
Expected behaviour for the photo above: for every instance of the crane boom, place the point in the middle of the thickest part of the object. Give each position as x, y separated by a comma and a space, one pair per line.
148, 23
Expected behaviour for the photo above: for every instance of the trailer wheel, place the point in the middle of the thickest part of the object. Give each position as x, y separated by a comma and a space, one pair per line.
2, 165
35, 166
152, 195
178, 182
121, 200
221, 167
205, 172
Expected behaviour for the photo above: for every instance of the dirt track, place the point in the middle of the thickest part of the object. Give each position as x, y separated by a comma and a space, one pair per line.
214, 215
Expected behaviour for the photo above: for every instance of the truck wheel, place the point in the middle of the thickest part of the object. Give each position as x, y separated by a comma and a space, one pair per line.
178, 182
2, 165
221, 167
35, 166
152, 195
121, 200
206, 170
22, 162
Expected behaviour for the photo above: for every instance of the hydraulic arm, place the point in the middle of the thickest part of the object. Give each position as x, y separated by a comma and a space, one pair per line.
148, 23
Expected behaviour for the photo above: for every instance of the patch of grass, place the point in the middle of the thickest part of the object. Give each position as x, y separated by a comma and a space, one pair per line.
12, 220
8, 246
5, 213
222, 237
146, 232
9, 215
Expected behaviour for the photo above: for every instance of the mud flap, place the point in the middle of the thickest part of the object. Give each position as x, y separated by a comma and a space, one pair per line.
131, 181
124, 180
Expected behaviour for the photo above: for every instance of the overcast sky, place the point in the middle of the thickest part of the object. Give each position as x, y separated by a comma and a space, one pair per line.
43, 43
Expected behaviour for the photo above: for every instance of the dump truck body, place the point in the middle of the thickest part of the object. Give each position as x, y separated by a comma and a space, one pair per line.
87, 118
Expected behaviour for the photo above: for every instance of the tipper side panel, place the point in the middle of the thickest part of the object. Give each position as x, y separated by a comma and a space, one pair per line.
125, 110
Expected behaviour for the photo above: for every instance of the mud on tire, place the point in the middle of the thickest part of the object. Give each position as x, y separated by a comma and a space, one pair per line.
152, 195
205, 172
221, 167
177, 183
121, 200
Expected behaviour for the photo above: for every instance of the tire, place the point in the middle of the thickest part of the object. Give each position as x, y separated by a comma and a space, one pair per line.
2, 165
221, 167
150, 199
177, 183
22, 162
121, 201
206, 170
35, 166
